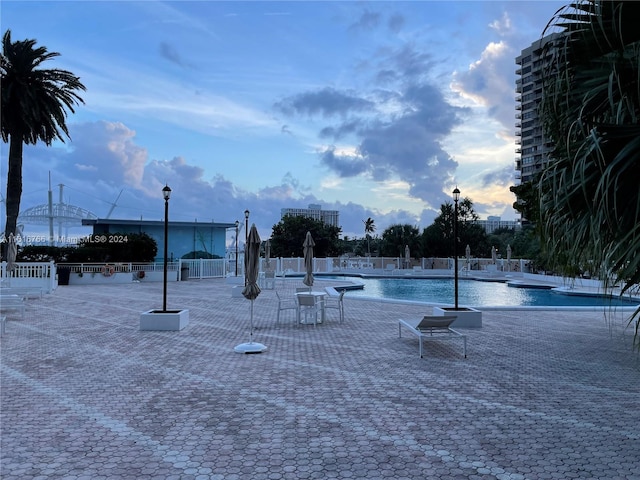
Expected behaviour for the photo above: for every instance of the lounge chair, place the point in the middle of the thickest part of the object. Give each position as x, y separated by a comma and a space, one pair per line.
432, 328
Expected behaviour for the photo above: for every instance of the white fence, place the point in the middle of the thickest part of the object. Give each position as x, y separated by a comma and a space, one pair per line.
29, 274
45, 275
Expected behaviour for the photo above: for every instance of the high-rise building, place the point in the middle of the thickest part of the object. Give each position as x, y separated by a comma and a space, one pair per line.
533, 148
493, 223
330, 217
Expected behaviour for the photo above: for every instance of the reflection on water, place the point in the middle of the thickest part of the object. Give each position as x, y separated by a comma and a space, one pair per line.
472, 293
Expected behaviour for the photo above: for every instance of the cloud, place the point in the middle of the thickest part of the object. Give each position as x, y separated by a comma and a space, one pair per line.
368, 21
404, 64
344, 165
397, 132
490, 82
105, 150
396, 22
326, 102
124, 169
502, 177
170, 53
503, 25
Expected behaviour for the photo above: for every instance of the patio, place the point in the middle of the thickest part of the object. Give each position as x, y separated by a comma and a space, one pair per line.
85, 394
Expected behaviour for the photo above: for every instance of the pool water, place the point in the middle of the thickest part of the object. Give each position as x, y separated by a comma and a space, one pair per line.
473, 293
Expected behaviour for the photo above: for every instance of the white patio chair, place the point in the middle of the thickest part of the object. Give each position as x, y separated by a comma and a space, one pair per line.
269, 280
309, 305
285, 304
336, 303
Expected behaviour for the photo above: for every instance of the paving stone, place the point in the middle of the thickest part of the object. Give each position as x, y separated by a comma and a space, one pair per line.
85, 394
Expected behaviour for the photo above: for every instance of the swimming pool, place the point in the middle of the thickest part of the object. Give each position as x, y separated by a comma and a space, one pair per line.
473, 293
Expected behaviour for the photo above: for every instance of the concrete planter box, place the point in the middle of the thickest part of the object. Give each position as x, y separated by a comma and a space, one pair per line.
467, 317
233, 280
174, 320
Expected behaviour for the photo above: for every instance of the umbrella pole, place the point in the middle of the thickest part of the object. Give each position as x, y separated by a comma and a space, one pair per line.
250, 346
251, 324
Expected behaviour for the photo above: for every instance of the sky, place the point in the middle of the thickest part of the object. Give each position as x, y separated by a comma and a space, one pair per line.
376, 109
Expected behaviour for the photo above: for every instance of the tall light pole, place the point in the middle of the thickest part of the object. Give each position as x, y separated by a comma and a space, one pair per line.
237, 224
456, 197
166, 193
246, 238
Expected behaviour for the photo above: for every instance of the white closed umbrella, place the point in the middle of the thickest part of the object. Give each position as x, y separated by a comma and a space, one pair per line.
508, 257
251, 289
467, 253
407, 255
267, 253
12, 253
308, 260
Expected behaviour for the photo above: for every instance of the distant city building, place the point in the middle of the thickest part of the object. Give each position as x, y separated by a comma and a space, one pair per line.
330, 217
491, 224
533, 148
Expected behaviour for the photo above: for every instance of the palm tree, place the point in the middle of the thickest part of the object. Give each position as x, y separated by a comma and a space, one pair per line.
369, 228
34, 104
589, 196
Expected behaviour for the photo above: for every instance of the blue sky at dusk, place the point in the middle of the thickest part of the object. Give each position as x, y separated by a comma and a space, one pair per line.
375, 109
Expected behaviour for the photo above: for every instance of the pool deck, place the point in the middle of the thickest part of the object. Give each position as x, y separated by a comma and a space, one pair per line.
86, 395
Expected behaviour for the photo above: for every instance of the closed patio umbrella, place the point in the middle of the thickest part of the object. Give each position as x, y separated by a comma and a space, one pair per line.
251, 289
494, 255
308, 260
407, 256
508, 257
267, 253
467, 253
12, 252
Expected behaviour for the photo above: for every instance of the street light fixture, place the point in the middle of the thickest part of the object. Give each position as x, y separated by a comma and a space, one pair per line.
166, 194
456, 197
237, 224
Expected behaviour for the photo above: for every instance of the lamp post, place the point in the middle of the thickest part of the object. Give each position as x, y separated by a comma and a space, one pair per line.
237, 224
246, 238
456, 197
166, 193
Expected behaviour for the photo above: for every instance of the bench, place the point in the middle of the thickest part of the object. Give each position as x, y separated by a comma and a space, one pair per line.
24, 292
12, 303
432, 328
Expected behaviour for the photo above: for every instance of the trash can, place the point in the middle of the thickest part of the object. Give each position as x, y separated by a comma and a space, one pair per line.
63, 275
184, 272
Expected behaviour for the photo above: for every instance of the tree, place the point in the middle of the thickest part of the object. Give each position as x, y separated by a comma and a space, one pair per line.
34, 108
437, 238
131, 247
396, 237
528, 200
369, 228
591, 105
288, 236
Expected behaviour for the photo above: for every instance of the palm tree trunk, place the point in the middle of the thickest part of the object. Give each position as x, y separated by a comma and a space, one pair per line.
14, 186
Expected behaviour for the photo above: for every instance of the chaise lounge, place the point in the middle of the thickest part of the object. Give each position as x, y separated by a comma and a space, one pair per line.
432, 328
